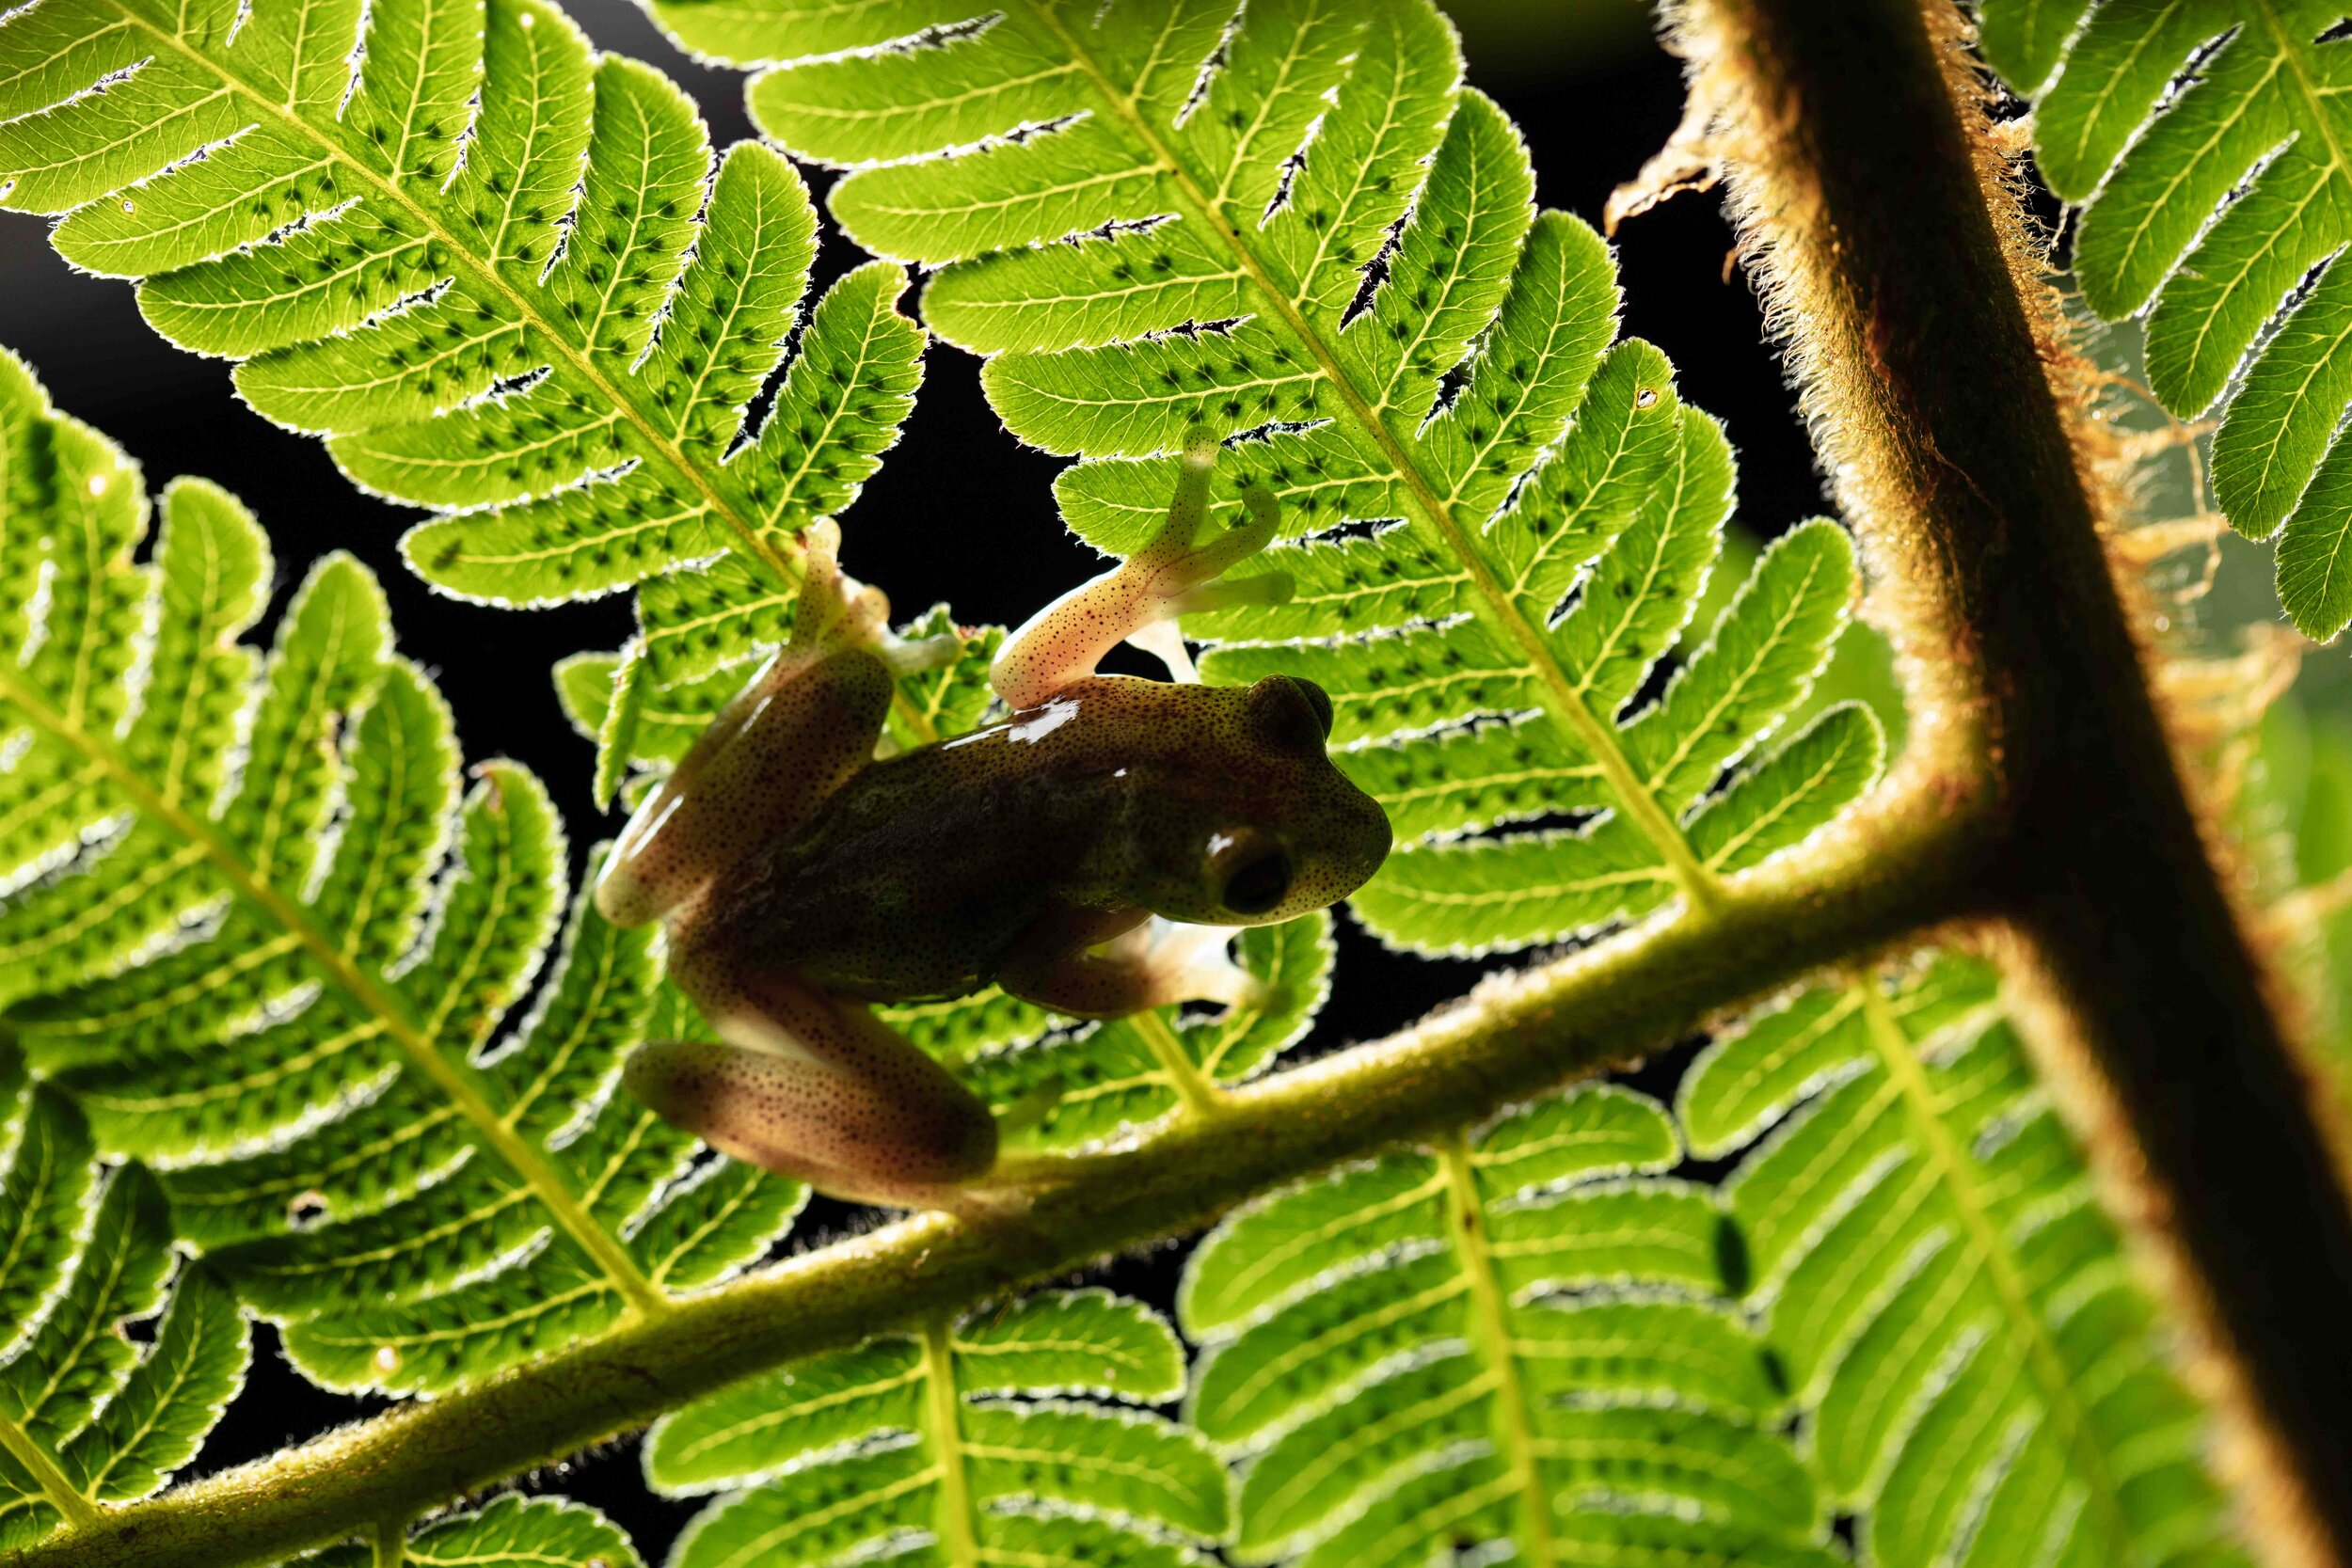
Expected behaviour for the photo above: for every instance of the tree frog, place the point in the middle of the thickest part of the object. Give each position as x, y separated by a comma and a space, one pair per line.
802, 880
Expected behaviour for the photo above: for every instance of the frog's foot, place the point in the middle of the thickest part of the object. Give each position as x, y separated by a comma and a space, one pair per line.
1092, 964
833, 610
1174, 574
1195, 963
809, 1087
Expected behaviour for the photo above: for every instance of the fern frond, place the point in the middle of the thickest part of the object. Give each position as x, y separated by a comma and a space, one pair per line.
510, 1532
993, 1435
2206, 142
86, 1416
1517, 1336
1977, 1367
282, 984
1306, 234
500, 272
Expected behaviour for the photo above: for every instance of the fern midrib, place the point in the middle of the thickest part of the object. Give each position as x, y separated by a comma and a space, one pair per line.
61, 1494
1699, 885
364, 989
953, 1511
1490, 1339
1197, 1095
2291, 51
783, 563
1957, 1179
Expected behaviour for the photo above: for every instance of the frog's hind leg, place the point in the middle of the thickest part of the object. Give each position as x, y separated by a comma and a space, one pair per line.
1174, 574
788, 740
810, 1086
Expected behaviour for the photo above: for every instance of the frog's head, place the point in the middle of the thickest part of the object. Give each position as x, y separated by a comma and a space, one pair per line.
1256, 826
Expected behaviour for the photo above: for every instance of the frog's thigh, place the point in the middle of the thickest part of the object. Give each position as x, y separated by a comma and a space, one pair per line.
783, 745
808, 1087
1057, 964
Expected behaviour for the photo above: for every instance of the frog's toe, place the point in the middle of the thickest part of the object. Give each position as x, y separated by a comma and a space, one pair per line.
835, 610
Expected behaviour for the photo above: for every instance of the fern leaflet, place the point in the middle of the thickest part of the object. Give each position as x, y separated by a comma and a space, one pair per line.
1979, 1373
281, 982
1516, 1338
86, 1417
2208, 143
1304, 231
992, 1435
510, 1532
495, 269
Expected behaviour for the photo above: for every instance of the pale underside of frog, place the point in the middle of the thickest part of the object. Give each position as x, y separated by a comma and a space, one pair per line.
803, 880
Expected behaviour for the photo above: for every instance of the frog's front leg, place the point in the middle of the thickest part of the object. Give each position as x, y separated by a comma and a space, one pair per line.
1172, 574
1099, 963
810, 1085
779, 747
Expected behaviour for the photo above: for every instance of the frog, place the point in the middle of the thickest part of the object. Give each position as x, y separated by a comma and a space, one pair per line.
1090, 852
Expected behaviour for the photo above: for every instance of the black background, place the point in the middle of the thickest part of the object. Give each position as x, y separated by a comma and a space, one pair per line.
958, 513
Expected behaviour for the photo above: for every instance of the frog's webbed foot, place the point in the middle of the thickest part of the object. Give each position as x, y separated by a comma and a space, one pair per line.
810, 1086
1174, 574
1093, 964
807, 721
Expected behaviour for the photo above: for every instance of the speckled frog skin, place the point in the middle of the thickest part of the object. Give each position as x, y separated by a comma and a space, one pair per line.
802, 880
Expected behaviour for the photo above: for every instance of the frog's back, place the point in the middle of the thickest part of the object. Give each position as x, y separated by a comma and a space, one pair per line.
915, 880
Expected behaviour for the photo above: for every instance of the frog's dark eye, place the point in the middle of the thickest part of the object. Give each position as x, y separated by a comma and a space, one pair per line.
1258, 883
1289, 714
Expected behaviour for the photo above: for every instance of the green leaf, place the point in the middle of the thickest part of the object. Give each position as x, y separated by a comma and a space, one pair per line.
503, 275
510, 1532
2206, 144
1302, 230
954, 1433
1972, 1356
287, 985
1517, 1337
89, 1415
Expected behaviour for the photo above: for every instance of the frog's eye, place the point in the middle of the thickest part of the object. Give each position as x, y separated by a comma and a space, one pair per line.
1259, 883
1289, 714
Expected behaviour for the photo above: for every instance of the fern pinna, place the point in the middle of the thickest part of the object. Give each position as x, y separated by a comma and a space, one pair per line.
1980, 1377
1296, 225
2205, 142
510, 1532
282, 982
1517, 1337
495, 269
960, 1445
86, 1416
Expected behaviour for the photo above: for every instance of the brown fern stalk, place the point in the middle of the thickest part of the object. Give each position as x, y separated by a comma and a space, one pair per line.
1866, 214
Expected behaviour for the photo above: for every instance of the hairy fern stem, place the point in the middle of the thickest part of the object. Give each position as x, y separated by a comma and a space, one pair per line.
1927, 370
